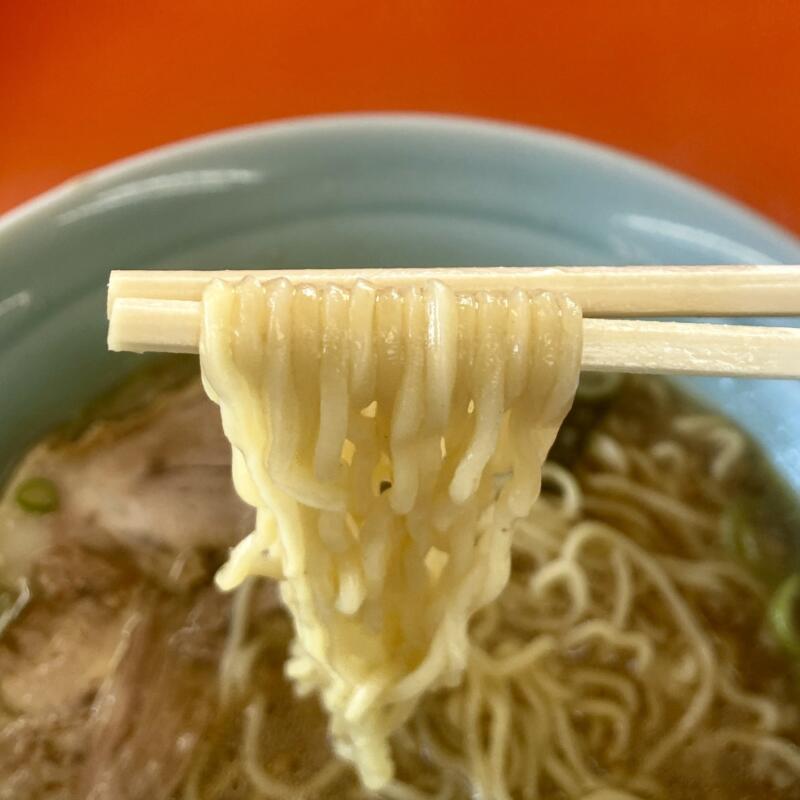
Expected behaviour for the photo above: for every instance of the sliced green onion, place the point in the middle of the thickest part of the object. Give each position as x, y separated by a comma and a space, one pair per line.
739, 535
783, 612
37, 495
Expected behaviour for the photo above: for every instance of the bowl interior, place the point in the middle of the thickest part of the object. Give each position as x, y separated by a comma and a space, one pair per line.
372, 191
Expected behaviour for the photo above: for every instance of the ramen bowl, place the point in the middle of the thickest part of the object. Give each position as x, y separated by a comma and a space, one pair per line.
351, 191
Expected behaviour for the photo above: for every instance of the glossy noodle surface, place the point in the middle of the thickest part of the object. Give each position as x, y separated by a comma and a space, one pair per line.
388, 441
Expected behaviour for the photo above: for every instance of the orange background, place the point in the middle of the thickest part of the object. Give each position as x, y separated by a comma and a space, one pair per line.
708, 87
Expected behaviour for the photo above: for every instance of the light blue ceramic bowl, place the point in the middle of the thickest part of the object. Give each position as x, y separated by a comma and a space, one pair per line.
351, 190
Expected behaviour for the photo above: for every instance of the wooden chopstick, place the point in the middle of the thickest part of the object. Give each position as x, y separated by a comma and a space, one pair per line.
633, 291
162, 325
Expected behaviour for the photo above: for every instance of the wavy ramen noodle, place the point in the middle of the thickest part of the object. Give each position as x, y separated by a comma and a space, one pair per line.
388, 440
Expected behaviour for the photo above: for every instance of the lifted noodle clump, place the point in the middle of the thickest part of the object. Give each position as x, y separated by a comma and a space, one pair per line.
370, 430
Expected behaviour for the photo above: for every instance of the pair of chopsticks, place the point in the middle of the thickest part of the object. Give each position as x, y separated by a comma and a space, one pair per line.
160, 311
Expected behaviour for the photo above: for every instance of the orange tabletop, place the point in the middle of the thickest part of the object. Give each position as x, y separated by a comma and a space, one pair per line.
708, 87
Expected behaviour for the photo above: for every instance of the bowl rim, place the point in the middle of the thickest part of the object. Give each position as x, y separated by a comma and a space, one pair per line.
559, 143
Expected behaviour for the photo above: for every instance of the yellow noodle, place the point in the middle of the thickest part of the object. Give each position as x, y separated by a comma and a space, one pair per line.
381, 585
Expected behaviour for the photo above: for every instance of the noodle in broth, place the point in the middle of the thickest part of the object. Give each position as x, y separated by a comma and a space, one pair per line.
598, 667
326, 395
627, 656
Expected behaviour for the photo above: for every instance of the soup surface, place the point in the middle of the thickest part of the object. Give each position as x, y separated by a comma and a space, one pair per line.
652, 587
